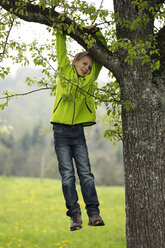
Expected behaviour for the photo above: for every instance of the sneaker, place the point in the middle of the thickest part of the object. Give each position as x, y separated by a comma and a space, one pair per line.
76, 221
95, 220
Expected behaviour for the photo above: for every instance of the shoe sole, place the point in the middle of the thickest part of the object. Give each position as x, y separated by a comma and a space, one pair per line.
75, 228
97, 223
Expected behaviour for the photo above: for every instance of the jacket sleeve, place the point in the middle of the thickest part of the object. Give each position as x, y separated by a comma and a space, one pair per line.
61, 50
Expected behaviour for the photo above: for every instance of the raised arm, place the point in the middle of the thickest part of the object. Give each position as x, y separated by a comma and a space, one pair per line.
61, 50
95, 30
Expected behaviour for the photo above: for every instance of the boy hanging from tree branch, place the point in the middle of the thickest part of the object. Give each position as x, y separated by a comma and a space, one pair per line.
73, 109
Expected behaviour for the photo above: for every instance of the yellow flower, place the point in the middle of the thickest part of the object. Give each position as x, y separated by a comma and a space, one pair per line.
64, 241
9, 243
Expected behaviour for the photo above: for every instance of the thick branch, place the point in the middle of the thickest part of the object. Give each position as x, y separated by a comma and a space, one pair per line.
50, 18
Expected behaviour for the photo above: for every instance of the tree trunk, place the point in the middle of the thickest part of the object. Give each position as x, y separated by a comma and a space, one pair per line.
143, 139
144, 158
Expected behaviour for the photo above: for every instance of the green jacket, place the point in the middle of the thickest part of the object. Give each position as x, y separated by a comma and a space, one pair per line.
73, 105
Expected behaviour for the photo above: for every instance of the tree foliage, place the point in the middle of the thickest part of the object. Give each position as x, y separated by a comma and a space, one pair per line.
76, 16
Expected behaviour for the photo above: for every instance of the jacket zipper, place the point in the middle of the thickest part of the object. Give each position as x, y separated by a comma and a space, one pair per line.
74, 106
75, 103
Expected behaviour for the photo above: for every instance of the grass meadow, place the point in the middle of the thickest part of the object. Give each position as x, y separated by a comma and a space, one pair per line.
33, 215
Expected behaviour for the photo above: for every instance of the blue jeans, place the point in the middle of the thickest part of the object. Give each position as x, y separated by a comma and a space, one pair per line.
70, 144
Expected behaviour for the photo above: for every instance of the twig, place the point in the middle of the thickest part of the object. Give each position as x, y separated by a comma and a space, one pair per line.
7, 37
24, 94
112, 95
98, 12
27, 93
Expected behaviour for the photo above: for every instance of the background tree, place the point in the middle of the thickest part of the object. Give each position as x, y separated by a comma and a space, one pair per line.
135, 55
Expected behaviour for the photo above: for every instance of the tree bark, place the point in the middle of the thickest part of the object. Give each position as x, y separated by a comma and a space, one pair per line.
143, 142
144, 159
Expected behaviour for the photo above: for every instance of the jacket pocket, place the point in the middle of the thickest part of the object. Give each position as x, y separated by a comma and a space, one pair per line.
88, 107
57, 105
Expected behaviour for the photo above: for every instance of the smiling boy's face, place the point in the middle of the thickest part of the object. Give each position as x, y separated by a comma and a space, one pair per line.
83, 66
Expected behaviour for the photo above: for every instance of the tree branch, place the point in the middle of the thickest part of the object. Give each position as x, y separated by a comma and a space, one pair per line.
51, 18
23, 94
98, 12
7, 37
111, 97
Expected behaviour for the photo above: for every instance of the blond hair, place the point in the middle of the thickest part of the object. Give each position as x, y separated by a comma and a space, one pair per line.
81, 55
